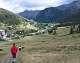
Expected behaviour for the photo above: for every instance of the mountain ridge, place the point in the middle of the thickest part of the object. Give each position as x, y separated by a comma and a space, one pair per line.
58, 14
66, 11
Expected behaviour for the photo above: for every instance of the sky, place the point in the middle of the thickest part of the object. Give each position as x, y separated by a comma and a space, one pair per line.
17, 6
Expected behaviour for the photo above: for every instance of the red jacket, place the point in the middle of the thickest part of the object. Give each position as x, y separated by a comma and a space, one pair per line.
14, 49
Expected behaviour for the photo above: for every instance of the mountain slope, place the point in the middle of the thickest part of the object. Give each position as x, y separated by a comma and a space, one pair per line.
9, 18
49, 15
60, 14
29, 14
74, 18
72, 12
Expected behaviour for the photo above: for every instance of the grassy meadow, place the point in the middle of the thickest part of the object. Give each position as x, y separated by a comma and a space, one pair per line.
46, 48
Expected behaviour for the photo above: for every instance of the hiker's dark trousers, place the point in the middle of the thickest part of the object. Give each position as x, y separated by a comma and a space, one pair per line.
14, 55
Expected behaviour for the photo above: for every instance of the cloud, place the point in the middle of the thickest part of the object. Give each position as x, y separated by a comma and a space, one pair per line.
20, 5
10, 5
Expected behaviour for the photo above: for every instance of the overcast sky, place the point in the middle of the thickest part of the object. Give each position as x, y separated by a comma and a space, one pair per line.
17, 6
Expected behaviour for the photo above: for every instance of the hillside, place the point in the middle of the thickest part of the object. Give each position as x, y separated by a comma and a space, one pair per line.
29, 14
49, 15
59, 14
8, 18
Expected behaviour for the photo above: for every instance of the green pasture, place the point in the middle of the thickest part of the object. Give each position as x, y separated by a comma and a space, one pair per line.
45, 48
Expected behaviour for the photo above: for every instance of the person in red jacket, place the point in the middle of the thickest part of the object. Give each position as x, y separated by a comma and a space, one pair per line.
14, 50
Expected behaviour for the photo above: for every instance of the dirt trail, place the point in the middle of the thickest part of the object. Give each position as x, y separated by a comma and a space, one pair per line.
27, 56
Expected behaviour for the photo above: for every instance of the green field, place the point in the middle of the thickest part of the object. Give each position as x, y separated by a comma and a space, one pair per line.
47, 49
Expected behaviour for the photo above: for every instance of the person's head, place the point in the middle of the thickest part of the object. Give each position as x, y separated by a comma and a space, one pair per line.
14, 44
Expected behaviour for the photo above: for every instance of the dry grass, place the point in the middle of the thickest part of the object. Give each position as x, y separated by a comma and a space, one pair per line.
50, 49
